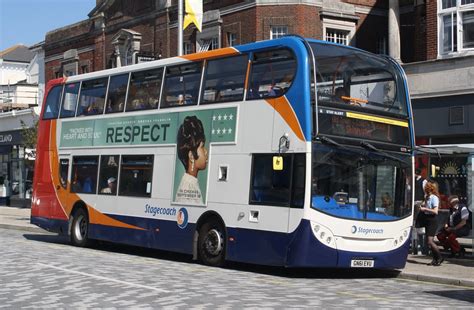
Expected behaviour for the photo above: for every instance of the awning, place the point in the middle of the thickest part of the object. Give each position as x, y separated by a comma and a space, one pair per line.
444, 149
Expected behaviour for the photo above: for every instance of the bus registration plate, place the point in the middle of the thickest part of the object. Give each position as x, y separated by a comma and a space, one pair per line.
362, 263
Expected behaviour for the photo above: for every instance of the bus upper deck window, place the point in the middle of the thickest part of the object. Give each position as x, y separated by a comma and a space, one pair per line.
52, 103
181, 85
144, 90
272, 74
116, 93
68, 108
92, 97
224, 79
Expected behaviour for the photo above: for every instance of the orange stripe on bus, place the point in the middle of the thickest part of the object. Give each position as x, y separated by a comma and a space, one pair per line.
68, 199
222, 52
96, 217
283, 107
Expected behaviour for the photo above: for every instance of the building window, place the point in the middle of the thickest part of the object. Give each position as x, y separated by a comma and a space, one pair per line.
231, 39
337, 36
214, 44
382, 46
338, 31
456, 30
208, 44
278, 32
188, 48
85, 69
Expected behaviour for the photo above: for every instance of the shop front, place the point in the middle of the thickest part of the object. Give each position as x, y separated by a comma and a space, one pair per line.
16, 170
445, 137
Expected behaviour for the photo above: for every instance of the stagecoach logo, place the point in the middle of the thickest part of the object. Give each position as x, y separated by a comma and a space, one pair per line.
366, 231
182, 218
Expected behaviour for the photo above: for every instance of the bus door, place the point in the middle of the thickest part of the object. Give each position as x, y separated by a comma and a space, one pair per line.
277, 188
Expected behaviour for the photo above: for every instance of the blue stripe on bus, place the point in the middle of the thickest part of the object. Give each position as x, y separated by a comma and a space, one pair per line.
159, 234
52, 225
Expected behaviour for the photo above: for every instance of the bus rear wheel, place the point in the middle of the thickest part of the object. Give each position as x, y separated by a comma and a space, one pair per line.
80, 228
211, 243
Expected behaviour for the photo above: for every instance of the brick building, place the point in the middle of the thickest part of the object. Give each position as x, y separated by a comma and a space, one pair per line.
124, 32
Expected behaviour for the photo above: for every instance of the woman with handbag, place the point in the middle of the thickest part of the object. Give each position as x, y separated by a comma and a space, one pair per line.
429, 212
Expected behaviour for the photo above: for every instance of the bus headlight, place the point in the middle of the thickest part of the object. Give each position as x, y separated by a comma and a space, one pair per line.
401, 238
324, 235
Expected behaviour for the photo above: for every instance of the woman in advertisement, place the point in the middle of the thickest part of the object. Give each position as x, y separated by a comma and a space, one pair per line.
193, 154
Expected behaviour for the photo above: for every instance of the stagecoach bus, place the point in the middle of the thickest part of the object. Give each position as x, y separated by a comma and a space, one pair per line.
290, 152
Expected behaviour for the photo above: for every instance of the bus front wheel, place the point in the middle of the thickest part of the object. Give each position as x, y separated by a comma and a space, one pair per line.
211, 243
80, 228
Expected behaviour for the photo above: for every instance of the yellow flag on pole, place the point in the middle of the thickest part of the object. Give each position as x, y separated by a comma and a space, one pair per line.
193, 14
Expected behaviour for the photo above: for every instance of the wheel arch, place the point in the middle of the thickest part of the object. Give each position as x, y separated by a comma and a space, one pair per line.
203, 219
77, 205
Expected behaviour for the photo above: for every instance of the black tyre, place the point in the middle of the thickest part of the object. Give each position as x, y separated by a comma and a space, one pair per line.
80, 228
212, 243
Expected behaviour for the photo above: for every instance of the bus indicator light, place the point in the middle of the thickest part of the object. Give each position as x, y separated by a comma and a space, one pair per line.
277, 163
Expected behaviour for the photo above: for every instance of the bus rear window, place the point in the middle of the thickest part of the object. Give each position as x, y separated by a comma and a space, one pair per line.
51, 110
182, 85
92, 97
272, 74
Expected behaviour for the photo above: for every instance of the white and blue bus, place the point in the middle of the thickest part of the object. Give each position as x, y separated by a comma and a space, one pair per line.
291, 152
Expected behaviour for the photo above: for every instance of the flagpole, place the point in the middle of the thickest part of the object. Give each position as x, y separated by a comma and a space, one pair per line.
180, 27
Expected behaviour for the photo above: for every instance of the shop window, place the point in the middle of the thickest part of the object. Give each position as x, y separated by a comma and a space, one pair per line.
68, 108
116, 93
272, 74
144, 90
450, 172
136, 174
182, 85
84, 174
52, 103
108, 176
225, 79
92, 97
278, 187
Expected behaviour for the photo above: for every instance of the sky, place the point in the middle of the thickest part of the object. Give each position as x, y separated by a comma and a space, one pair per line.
27, 21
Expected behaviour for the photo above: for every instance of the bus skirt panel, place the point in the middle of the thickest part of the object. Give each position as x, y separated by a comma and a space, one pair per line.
157, 234
306, 251
49, 224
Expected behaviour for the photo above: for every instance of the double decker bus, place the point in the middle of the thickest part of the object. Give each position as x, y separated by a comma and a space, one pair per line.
290, 152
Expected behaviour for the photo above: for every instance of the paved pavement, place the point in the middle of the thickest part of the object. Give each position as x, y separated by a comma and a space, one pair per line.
453, 271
